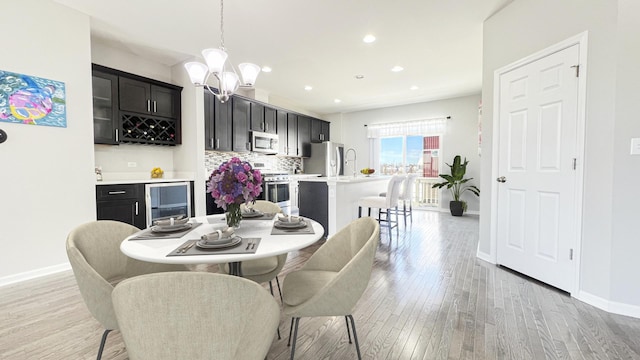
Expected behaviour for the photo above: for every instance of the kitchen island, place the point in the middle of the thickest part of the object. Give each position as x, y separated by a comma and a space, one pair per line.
333, 202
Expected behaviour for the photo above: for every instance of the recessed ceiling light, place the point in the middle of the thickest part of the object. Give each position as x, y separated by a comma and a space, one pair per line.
359, 77
369, 38
337, 101
266, 69
308, 88
414, 87
397, 68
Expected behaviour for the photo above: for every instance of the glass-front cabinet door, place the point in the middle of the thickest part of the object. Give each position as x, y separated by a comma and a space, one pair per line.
105, 108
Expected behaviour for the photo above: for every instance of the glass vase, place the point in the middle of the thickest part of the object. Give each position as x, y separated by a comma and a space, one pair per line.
233, 215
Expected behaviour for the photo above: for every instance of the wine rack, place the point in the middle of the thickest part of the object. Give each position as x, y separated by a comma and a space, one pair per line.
147, 130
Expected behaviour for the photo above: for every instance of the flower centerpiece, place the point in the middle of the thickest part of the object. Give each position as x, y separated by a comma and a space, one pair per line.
234, 183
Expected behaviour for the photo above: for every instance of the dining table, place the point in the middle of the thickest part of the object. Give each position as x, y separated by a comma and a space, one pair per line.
258, 238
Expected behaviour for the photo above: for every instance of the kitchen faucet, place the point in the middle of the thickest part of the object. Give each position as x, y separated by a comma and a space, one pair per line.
346, 159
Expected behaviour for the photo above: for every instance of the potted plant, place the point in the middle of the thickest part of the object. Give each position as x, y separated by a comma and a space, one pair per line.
456, 183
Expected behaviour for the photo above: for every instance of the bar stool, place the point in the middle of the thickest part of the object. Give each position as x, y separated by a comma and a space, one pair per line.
385, 204
406, 195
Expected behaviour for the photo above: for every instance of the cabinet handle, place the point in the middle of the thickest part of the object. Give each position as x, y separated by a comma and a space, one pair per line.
247, 145
116, 130
266, 127
117, 192
262, 126
211, 143
148, 105
136, 208
218, 143
155, 106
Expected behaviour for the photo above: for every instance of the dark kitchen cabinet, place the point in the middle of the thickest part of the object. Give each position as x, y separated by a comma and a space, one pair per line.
304, 136
282, 130
145, 98
141, 110
257, 117
270, 120
124, 202
319, 131
292, 134
241, 117
105, 108
218, 123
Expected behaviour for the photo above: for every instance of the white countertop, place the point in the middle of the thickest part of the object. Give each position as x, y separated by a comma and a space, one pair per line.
348, 179
113, 178
140, 181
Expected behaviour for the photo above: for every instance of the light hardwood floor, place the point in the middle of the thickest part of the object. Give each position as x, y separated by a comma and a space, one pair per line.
429, 298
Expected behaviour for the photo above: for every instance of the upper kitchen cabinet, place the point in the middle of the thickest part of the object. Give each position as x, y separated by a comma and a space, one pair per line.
105, 108
241, 118
292, 134
319, 130
217, 123
282, 129
146, 98
304, 136
257, 117
270, 120
141, 110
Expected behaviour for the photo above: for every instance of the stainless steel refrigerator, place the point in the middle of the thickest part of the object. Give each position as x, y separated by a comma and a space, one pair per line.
327, 159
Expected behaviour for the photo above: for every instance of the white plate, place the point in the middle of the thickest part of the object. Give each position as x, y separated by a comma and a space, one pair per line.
204, 245
290, 225
174, 228
252, 214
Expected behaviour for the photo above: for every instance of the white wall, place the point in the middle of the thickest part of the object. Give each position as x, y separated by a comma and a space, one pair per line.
47, 178
625, 266
610, 215
461, 137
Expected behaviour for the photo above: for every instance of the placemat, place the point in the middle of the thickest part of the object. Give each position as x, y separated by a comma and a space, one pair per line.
150, 235
305, 230
242, 248
265, 216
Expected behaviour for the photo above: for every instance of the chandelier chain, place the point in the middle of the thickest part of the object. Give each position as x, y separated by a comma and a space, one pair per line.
222, 24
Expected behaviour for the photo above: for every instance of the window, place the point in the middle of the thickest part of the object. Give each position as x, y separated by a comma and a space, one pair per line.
409, 154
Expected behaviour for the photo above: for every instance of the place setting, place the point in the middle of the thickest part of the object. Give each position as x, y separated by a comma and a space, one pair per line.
169, 227
291, 225
221, 241
253, 214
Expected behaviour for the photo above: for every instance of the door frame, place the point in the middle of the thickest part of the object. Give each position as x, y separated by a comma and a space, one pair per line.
581, 40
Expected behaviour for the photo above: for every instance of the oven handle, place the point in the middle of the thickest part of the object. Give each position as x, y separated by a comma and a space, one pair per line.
276, 182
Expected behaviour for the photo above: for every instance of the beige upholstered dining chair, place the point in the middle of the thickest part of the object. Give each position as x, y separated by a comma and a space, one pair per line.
98, 265
265, 269
195, 315
334, 278
386, 205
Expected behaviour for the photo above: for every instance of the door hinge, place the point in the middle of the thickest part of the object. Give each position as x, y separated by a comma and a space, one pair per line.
577, 67
574, 163
570, 254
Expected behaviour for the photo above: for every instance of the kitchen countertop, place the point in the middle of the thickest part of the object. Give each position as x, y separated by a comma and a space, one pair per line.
347, 179
140, 181
114, 178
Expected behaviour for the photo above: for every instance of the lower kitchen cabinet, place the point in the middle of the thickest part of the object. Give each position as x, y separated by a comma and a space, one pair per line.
313, 201
123, 203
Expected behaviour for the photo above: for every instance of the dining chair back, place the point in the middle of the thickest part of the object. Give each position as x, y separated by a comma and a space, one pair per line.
332, 281
195, 315
98, 265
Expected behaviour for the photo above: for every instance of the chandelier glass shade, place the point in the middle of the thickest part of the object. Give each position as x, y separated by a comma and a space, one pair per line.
226, 78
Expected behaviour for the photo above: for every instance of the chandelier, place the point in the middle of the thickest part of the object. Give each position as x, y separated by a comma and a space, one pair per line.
226, 77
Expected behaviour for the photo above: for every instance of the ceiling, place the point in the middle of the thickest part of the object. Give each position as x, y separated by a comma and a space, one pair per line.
314, 43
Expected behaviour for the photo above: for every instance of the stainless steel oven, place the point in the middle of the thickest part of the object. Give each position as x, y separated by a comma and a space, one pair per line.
275, 188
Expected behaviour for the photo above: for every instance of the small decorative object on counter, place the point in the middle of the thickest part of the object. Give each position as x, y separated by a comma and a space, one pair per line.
156, 173
234, 183
98, 173
367, 171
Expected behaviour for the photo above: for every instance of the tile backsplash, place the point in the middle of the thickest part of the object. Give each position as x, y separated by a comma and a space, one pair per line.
213, 159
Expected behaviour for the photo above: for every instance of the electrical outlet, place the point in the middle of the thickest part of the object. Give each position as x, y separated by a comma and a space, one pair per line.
635, 146
132, 164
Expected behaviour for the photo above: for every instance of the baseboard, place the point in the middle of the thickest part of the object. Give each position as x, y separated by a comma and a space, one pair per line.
609, 306
485, 257
33, 274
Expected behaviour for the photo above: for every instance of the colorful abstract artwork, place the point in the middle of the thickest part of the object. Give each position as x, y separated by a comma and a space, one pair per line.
26, 99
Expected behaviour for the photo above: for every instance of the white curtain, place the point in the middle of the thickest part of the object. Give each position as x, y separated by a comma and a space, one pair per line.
414, 127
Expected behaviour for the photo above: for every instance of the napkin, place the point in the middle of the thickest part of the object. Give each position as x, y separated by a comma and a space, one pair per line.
222, 235
172, 221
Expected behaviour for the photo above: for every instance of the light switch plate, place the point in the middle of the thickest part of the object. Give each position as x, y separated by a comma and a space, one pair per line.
635, 146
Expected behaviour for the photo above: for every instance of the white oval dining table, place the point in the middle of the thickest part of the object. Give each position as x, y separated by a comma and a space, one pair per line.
156, 250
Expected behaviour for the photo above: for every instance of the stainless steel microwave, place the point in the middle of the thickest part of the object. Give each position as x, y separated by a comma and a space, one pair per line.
264, 142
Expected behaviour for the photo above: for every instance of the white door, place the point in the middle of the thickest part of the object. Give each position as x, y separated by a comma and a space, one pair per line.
536, 224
